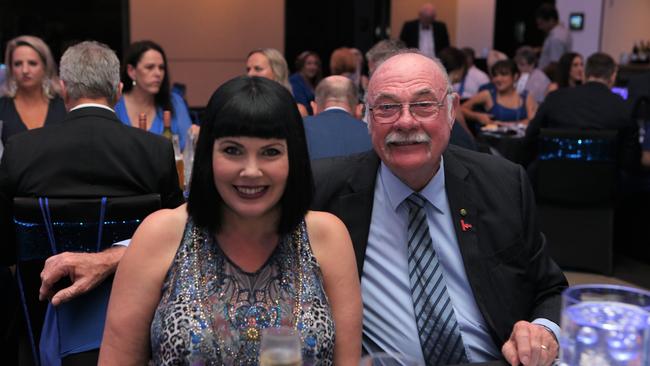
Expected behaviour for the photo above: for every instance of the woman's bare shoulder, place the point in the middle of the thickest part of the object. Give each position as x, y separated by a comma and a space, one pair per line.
163, 227
326, 231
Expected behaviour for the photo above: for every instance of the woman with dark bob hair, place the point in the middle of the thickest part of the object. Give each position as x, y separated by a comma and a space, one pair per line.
199, 283
145, 77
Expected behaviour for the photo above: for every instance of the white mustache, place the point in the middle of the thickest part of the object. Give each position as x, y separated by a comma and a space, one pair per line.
397, 137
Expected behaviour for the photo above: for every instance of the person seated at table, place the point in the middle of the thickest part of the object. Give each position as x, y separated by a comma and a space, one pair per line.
344, 62
466, 78
532, 79
493, 57
199, 283
381, 51
304, 80
269, 63
145, 77
569, 72
591, 106
503, 105
31, 90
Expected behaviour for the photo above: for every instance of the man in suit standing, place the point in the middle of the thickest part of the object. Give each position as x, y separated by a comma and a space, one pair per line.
333, 130
592, 106
558, 39
90, 154
426, 33
453, 266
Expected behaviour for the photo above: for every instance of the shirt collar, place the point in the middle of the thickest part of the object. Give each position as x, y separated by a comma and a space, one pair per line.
398, 191
335, 108
86, 105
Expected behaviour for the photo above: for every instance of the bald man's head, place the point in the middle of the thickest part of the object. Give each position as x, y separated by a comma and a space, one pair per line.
336, 91
427, 13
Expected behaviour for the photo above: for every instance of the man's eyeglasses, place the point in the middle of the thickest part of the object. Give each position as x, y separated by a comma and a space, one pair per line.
424, 111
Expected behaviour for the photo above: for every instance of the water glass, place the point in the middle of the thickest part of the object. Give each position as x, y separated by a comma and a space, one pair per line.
388, 359
280, 347
605, 325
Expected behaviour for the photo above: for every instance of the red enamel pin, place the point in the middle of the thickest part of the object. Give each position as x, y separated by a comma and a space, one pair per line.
463, 225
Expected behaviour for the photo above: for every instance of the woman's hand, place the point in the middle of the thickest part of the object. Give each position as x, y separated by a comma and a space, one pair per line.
484, 118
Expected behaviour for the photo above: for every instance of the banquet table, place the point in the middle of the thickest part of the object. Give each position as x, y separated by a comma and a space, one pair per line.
506, 141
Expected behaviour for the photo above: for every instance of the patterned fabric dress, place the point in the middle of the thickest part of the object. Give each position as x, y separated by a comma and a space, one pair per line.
212, 312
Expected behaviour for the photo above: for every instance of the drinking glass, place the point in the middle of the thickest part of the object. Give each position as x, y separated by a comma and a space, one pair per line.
388, 359
280, 347
605, 325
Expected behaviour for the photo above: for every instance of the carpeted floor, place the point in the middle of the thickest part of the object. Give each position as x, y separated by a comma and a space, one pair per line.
627, 272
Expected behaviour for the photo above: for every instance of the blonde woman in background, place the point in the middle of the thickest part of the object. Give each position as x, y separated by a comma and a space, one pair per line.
269, 63
31, 90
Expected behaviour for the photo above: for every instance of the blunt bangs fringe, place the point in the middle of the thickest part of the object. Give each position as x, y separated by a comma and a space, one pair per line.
256, 112
251, 107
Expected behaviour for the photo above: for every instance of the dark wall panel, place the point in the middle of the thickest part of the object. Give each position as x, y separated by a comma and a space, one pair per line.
63, 23
336, 23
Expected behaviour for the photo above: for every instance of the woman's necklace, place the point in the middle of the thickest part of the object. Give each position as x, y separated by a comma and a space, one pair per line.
249, 331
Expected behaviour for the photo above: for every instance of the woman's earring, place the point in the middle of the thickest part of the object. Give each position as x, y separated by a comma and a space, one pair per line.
133, 83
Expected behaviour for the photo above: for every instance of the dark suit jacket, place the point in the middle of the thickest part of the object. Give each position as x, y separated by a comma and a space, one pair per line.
507, 264
90, 154
591, 106
335, 132
639, 97
411, 35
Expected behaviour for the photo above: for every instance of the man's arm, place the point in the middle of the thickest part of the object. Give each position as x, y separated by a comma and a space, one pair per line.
533, 343
444, 36
84, 270
556, 48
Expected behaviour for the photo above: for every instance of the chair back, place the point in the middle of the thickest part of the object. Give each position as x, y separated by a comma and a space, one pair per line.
576, 166
49, 226
575, 187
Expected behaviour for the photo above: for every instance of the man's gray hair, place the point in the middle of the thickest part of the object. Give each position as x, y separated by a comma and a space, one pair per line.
384, 49
90, 70
526, 54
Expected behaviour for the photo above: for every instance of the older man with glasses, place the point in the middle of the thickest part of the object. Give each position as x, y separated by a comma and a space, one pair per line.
453, 266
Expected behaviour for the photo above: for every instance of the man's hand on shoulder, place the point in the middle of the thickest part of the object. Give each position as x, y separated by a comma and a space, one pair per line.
85, 271
530, 344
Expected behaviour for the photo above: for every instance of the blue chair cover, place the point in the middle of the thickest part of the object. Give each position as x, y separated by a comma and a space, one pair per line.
78, 325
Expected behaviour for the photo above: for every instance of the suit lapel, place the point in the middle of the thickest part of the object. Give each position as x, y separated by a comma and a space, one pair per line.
463, 204
355, 206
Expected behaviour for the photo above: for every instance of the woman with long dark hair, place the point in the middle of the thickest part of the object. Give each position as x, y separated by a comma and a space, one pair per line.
569, 72
146, 89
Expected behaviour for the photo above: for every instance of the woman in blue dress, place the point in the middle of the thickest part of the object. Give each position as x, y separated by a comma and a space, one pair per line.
199, 283
146, 89
502, 105
303, 82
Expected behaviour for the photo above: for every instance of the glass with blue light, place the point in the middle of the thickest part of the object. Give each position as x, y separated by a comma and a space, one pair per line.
605, 325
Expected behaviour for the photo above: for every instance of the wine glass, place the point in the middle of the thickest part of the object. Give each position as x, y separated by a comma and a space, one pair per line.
388, 359
280, 347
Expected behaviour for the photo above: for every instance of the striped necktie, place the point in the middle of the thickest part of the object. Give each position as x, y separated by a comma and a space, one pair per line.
440, 336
